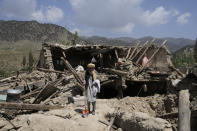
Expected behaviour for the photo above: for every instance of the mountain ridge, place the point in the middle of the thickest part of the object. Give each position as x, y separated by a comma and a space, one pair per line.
13, 31
173, 44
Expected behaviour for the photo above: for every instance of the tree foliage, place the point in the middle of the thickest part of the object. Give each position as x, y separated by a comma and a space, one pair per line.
75, 38
24, 61
180, 58
195, 50
31, 60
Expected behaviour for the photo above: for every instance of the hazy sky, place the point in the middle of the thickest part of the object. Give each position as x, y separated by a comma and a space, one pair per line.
110, 18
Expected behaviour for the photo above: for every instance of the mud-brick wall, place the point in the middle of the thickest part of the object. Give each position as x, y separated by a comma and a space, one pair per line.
45, 59
162, 60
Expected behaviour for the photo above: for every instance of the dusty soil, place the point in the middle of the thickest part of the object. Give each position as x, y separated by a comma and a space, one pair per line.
67, 119
153, 105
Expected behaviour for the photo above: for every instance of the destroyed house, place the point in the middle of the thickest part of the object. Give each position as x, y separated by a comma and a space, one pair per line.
131, 75
50, 56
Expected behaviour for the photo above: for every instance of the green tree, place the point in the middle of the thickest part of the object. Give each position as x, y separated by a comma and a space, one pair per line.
24, 61
191, 58
75, 38
195, 50
31, 60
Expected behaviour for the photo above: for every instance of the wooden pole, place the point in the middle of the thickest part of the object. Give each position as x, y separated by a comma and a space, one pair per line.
47, 91
138, 60
116, 54
116, 72
21, 106
153, 55
138, 43
107, 124
112, 119
180, 73
128, 53
53, 71
139, 50
69, 67
30, 94
184, 111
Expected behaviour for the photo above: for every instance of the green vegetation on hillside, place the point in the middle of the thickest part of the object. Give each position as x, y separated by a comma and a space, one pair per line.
183, 56
75, 38
15, 56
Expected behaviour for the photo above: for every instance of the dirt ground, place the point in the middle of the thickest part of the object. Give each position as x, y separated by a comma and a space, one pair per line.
70, 117
67, 119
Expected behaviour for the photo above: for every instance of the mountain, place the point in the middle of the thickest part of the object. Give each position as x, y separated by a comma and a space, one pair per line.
20, 38
173, 44
13, 31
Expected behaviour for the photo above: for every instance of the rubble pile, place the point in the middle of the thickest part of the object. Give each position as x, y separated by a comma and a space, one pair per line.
51, 97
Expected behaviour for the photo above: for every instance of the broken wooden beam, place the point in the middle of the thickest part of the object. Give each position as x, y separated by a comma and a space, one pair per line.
112, 119
116, 72
7, 119
49, 98
69, 67
21, 106
139, 50
53, 71
107, 82
47, 91
116, 53
138, 43
81, 87
107, 124
153, 55
184, 111
175, 114
30, 94
128, 53
179, 72
138, 60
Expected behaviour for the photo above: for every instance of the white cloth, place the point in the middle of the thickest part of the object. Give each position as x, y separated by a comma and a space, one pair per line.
145, 61
96, 87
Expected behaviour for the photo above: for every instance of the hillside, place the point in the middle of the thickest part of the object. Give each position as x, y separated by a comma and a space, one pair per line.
13, 31
173, 44
18, 38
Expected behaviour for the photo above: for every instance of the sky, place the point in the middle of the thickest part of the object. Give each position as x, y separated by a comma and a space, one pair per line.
110, 18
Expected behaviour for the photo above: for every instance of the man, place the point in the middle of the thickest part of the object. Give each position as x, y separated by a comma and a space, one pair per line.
90, 76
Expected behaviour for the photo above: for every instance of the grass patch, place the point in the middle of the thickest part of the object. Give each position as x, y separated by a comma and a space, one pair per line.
11, 56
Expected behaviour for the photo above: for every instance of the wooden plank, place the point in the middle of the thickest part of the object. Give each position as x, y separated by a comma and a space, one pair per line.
21, 106
184, 111
30, 94
53, 71
7, 119
107, 124
139, 50
107, 82
69, 67
153, 55
180, 73
138, 60
116, 72
112, 119
47, 91
128, 53
116, 54
49, 98
138, 43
